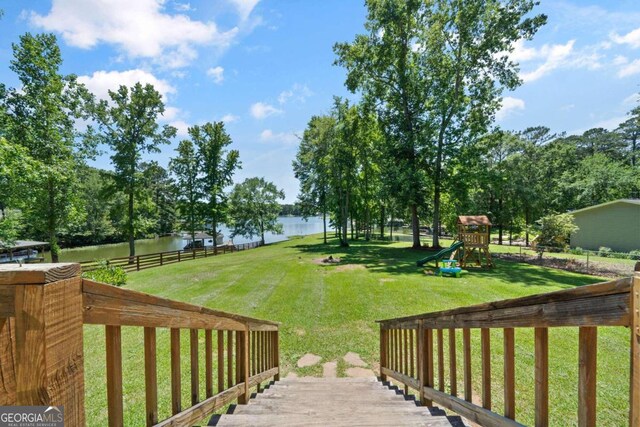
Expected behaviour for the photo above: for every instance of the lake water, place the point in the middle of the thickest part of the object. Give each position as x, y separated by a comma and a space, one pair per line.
293, 226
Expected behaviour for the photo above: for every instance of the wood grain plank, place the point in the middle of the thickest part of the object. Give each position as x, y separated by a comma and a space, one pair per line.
220, 355
440, 338
195, 367
634, 377
37, 274
509, 374
150, 376
276, 341
7, 362
485, 349
587, 369
453, 380
7, 301
208, 362
466, 356
542, 376
114, 375
429, 361
230, 377
176, 379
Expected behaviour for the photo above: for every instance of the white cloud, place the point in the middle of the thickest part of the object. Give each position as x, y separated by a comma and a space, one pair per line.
620, 60
244, 7
183, 7
140, 28
100, 82
509, 105
217, 73
230, 118
632, 38
554, 57
632, 99
297, 93
261, 110
182, 128
268, 135
629, 69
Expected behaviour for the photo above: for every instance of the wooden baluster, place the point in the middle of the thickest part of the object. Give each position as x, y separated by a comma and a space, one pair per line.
466, 353
453, 380
428, 345
266, 351
398, 351
276, 342
258, 355
253, 353
440, 360
542, 376
485, 348
176, 395
208, 363
238, 357
150, 376
230, 359
421, 359
405, 367
195, 368
392, 359
634, 377
243, 399
114, 375
509, 374
588, 351
267, 337
411, 355
220, 361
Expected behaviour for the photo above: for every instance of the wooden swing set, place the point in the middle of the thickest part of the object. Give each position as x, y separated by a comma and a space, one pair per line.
474, 231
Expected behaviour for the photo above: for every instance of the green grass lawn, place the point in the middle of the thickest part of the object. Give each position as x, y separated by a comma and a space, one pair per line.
330, 310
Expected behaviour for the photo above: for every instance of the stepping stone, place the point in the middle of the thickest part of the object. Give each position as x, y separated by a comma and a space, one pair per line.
360, 373
308, 360
292, 375
330, 370
354, 359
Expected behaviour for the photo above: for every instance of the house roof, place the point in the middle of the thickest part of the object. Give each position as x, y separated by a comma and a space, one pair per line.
473, 220
24, 244
601, 205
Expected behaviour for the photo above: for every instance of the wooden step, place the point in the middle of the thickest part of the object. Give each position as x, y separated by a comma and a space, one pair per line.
331, 401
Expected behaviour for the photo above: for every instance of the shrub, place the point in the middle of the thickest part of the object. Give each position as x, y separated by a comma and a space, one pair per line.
604, 252
106, 273
554, 232
635, 255
577, 251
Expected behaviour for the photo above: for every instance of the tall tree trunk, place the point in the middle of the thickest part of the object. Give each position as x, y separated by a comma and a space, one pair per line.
526, 225
634, 146
500, 226
51, 223
415, 226
214, 223
132, 243
437, 183
262, 233
382, 219
324, 225
352, 228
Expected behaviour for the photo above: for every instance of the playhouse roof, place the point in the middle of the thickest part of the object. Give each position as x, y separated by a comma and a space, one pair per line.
473, 220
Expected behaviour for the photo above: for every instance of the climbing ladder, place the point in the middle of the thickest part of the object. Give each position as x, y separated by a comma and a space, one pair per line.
334, 402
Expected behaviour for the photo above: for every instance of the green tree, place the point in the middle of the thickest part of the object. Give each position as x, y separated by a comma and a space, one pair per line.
629, 131
254, 208
128, 124
40, 117
186, 169
311, 167
384, 65
218, 166
16, 171
163, 193
555, 231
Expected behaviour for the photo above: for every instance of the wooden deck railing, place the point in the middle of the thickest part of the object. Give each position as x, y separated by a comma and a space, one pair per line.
407, 349
157, 259
42, 312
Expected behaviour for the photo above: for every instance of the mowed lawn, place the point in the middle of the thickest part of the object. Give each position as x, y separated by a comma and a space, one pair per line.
330, 310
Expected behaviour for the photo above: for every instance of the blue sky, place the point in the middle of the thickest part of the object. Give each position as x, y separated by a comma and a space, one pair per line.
265, 66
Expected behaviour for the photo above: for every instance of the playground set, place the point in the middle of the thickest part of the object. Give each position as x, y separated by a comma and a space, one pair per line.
472, 242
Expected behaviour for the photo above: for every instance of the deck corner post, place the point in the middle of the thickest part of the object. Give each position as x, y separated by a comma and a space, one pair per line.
276, 347
634, 387
383, 352
47, 304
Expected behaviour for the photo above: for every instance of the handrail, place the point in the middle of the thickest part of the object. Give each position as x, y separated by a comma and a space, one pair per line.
614, 303
45, 366
157, 259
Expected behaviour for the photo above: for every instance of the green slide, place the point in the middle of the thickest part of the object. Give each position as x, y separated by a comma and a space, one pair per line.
438, 256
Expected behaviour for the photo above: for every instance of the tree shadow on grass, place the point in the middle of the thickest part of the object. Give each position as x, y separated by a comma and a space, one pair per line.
384, 257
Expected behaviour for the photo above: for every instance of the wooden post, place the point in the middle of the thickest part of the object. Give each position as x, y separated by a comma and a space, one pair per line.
542, 376
150, 376
422, 364
439, 335
383, 352
634, 387
276, 343
113, 336
208, 363
453, 381
485, 349
588, 349
48, 353
176, 396
509, 374
195, 370
428, 346
466, 356
220, 361
138, 262
243, 338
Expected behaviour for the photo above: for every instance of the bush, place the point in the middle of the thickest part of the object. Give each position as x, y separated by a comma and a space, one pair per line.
577, 251
604, 252
106, 273
635, 255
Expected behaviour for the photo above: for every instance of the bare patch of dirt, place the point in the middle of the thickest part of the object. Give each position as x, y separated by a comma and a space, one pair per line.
299, 332
350, 267
600, 269
327, 261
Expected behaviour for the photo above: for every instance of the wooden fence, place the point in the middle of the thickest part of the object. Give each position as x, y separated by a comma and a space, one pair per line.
142, 262
407, 349
43, 308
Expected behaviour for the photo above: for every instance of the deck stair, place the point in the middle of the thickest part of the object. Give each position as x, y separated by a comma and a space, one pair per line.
335, 402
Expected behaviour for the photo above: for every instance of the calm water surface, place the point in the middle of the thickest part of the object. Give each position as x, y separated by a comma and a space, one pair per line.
293, 226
